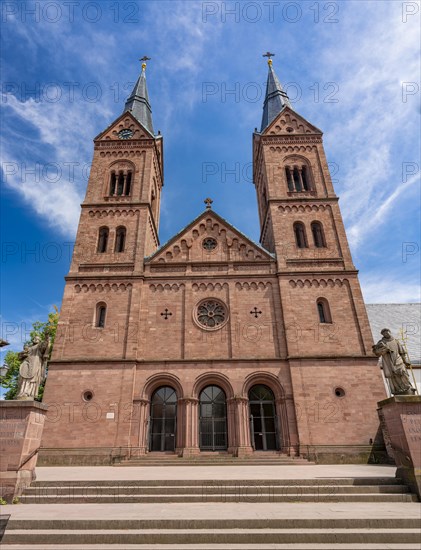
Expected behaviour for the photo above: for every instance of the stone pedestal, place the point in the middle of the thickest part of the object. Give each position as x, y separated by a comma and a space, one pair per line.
401, 424
21, 425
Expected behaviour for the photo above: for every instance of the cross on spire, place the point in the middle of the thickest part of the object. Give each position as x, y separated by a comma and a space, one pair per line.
268, 55
143, 60
208, 203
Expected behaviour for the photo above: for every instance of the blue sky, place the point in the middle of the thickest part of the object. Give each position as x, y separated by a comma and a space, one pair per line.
351, 68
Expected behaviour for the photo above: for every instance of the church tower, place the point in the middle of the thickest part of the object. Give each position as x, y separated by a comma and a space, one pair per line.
328, 336
120, 214
118, 227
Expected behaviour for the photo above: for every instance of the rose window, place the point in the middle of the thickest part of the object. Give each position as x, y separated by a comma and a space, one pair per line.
209, 244
211, 314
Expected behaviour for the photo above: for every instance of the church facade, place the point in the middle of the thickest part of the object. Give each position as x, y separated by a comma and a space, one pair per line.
212, 343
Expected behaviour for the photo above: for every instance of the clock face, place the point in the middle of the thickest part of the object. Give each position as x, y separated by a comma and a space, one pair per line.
126, 133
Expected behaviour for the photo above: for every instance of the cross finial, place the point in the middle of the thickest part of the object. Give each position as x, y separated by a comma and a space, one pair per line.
269, 56
144, 59
208, 203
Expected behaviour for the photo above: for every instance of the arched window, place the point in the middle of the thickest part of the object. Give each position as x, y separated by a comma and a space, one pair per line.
100, 314
103, 239
120, 239
323, 311
318, 235
120, 183
304, 177
290, 179
263, 421
300, 235
113, 183
212, 419
265, 200
128, 183
298, 177
163, 423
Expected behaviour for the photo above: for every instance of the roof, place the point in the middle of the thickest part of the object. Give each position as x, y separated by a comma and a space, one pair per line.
138, 103
220, 218
275, 99
397, 317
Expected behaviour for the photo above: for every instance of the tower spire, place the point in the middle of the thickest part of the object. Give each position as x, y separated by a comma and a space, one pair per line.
275, 98
138, 102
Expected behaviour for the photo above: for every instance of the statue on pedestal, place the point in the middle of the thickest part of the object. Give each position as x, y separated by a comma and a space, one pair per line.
32, 370
394, 363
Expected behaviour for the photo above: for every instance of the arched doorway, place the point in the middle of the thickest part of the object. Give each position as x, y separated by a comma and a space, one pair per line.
163, 419
263, 421
212, 419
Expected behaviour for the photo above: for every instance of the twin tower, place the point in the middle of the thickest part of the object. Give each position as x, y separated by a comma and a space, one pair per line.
211, 343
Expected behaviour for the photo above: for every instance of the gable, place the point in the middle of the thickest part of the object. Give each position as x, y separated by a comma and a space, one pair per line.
209, 238
126, 120
288, 122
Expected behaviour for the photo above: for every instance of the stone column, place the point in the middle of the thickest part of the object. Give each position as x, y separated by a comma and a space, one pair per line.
21, 426
241, 426
191, 426
142, 443
283, 426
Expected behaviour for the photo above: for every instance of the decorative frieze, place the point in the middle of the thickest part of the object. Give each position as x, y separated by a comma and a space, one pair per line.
323, 283
253, 286
107, 287
114, 213
209, 286
167, 287
304, 208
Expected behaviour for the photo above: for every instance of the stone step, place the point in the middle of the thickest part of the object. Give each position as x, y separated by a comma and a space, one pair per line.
209, 488
212, 523
270, 546
348, 481
186, 463
239, 497
211, 536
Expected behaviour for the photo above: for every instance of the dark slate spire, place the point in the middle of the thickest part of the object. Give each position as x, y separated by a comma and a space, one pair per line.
275, 99
138, 102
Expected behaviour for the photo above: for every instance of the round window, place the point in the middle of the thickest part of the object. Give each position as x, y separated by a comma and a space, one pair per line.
87, 395
211, 314
339, 392
209, 244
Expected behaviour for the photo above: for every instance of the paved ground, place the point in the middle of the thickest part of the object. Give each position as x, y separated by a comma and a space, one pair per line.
93, 473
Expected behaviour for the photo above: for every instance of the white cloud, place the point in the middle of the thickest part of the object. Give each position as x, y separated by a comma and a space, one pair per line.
372, 134
388, 290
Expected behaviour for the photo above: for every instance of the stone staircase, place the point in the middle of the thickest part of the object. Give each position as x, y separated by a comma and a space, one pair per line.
213, 534
226, 490
197, 514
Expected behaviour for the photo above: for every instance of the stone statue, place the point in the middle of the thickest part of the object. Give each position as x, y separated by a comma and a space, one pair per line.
394, 363
32, 370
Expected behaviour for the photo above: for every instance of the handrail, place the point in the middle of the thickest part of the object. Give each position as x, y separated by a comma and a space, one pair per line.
27, 459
